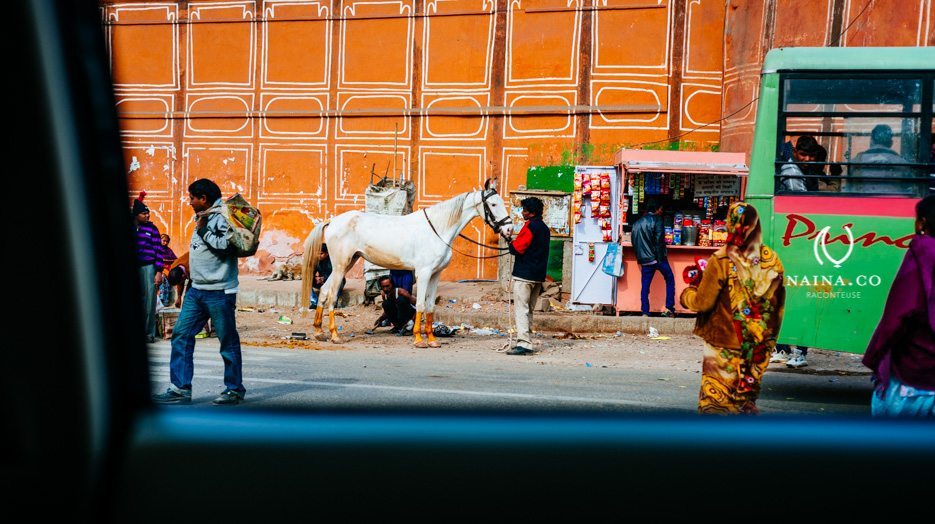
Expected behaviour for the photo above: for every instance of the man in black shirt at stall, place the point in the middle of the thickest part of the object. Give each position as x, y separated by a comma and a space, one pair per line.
650, 246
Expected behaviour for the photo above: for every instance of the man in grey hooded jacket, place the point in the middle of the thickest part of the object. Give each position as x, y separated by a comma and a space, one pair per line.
213, 294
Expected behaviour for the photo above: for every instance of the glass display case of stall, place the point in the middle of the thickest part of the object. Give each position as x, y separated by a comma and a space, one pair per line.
694, 190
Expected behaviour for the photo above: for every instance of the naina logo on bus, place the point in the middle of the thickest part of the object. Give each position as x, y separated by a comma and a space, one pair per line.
798, 226
830, 285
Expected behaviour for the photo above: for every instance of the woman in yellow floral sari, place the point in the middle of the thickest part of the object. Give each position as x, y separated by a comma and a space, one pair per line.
739, 299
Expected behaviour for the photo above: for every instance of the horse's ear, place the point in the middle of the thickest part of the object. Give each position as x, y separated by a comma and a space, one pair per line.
487, 184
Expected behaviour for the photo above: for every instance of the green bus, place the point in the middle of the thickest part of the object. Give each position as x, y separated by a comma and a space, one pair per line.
842, 152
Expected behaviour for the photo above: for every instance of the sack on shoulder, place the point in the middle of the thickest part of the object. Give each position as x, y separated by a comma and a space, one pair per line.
245, 222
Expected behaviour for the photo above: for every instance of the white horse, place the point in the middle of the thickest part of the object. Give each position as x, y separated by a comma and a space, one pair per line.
420, 241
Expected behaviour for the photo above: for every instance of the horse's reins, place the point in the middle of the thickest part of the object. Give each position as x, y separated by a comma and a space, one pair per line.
488, 219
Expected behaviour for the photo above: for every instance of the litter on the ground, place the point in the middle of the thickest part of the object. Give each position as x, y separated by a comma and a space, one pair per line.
246, 309
577, 307
441, 330
661, 338
283, 319
298, 336
485, 331
653, 332
588, 365
556, 305
475, 305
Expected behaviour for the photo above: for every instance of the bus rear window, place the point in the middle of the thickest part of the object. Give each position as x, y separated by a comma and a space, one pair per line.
855, 136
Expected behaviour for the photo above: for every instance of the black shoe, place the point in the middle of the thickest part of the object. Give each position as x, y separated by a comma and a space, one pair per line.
174, 395
228, 397
519, 350
668, 313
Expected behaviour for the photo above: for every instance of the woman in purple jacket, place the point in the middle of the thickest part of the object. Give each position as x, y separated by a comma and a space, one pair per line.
902, 350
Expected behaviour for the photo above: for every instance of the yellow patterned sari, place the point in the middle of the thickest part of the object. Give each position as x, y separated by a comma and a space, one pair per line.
730, 380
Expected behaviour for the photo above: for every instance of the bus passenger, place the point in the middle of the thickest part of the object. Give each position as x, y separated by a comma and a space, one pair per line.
880, 152
790, 175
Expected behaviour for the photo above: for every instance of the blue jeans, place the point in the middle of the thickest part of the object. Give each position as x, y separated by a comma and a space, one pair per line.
313, 296
900, 400
648, 272
198, 307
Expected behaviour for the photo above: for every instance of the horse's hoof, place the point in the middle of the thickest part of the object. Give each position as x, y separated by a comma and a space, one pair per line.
336, 340
435, 344
321, 337
421, 344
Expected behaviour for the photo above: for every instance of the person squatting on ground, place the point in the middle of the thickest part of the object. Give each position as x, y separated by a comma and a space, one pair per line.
901, 352
323, 270
739, 300
398, 305
149, 261
213, 295
531, 251
649, 243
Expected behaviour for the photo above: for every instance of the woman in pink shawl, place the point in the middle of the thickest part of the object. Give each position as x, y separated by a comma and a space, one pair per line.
902, 350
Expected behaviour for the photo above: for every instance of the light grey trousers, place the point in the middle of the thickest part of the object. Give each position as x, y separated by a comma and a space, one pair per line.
147, 278
525, 294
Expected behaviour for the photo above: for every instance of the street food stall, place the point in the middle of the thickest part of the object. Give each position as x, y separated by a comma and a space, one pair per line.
694, 190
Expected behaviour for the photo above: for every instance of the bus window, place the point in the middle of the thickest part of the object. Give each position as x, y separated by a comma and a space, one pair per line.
853, 135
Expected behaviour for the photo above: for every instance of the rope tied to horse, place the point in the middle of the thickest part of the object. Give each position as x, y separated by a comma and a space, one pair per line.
505, 250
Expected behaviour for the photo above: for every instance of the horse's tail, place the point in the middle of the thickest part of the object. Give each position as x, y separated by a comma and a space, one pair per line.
310, 258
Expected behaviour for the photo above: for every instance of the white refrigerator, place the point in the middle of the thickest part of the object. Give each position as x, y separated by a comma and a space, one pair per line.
589, 284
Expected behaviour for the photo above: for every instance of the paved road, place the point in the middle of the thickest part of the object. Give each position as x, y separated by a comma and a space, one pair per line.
277, 378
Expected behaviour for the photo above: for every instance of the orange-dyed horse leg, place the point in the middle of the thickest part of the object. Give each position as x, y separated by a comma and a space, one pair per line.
430, 332
417, 331
319, 334
333, 328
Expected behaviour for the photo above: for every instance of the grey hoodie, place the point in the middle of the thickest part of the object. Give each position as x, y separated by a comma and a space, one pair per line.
211, 266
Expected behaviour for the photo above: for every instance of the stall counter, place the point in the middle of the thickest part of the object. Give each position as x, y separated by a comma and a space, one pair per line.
628, 286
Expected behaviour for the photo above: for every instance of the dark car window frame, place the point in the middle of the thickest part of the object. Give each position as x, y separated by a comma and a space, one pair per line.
87, 440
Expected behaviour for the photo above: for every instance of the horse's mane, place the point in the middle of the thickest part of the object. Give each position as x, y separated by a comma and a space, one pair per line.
448, 213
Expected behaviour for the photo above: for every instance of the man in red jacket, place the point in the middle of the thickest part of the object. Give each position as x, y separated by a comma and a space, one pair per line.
531, 249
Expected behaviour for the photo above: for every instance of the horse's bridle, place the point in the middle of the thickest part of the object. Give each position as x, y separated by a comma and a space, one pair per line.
489, 219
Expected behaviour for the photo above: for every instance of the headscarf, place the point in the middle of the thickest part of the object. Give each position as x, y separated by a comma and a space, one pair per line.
753, 261
754, 283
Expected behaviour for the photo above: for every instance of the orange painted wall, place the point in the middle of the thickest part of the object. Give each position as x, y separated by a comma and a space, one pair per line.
291, 103
753, 28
